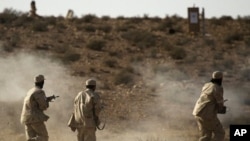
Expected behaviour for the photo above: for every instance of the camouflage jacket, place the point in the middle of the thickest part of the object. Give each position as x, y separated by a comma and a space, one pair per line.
208, 103
33, 106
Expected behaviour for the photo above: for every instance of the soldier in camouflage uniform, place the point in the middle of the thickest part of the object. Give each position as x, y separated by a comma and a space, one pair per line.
209, 104
86, 110
32, 115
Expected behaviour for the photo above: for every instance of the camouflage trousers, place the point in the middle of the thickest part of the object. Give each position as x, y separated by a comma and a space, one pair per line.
209, 127
86, 134
36, 132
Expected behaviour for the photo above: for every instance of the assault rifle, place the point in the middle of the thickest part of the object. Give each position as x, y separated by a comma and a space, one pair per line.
50, 98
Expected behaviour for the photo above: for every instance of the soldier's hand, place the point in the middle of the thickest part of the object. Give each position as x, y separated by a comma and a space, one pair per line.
73, 129
222, 110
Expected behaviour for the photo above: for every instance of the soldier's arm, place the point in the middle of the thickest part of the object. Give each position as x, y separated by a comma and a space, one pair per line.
40, 97
218, 94
98, 105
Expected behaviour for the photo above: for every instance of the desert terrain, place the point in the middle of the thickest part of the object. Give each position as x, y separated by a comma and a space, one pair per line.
148, 77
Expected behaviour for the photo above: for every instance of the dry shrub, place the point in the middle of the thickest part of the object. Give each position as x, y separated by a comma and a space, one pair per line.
120, 18
245, 74
39, 26
105, 18
134, 20
96, 44
217, 22
105, 28
166, 45
124, 76
155, 19
226, 18
231, 37
178, 53
51, 20
87, 28
125, 27
165, 24
209, 42
228, 64
110, 63
71, 57
140, 38
247, 41
88, 18
8, 16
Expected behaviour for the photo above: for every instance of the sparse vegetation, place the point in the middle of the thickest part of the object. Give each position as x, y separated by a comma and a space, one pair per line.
106, 48
88, 18
110, 63
87, 28
140, 38
40, 26
123, 77
178, 53
96, 44
236, 36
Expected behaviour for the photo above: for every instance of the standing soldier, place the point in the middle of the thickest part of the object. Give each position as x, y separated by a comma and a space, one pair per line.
33, 9
33, 116
86, 110
209, 104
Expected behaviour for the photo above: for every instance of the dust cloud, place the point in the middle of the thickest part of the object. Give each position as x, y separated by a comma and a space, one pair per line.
170, 117
177, 93
16, 78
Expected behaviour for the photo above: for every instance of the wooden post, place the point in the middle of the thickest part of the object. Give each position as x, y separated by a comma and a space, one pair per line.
203, 22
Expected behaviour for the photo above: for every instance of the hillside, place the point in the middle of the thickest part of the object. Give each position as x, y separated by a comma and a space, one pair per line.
146, 74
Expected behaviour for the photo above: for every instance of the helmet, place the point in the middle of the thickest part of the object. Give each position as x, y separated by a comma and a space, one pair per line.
217, 75
39, 78
91, 82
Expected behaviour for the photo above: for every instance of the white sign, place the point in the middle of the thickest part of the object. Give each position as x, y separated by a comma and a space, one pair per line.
194, 17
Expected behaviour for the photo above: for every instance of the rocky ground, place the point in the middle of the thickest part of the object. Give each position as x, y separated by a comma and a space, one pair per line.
148, 78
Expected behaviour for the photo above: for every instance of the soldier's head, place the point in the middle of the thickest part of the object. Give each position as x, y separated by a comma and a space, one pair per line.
39, 81
217, 77
91, 84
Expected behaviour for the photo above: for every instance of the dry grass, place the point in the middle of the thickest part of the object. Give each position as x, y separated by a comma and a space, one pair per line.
133, 58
